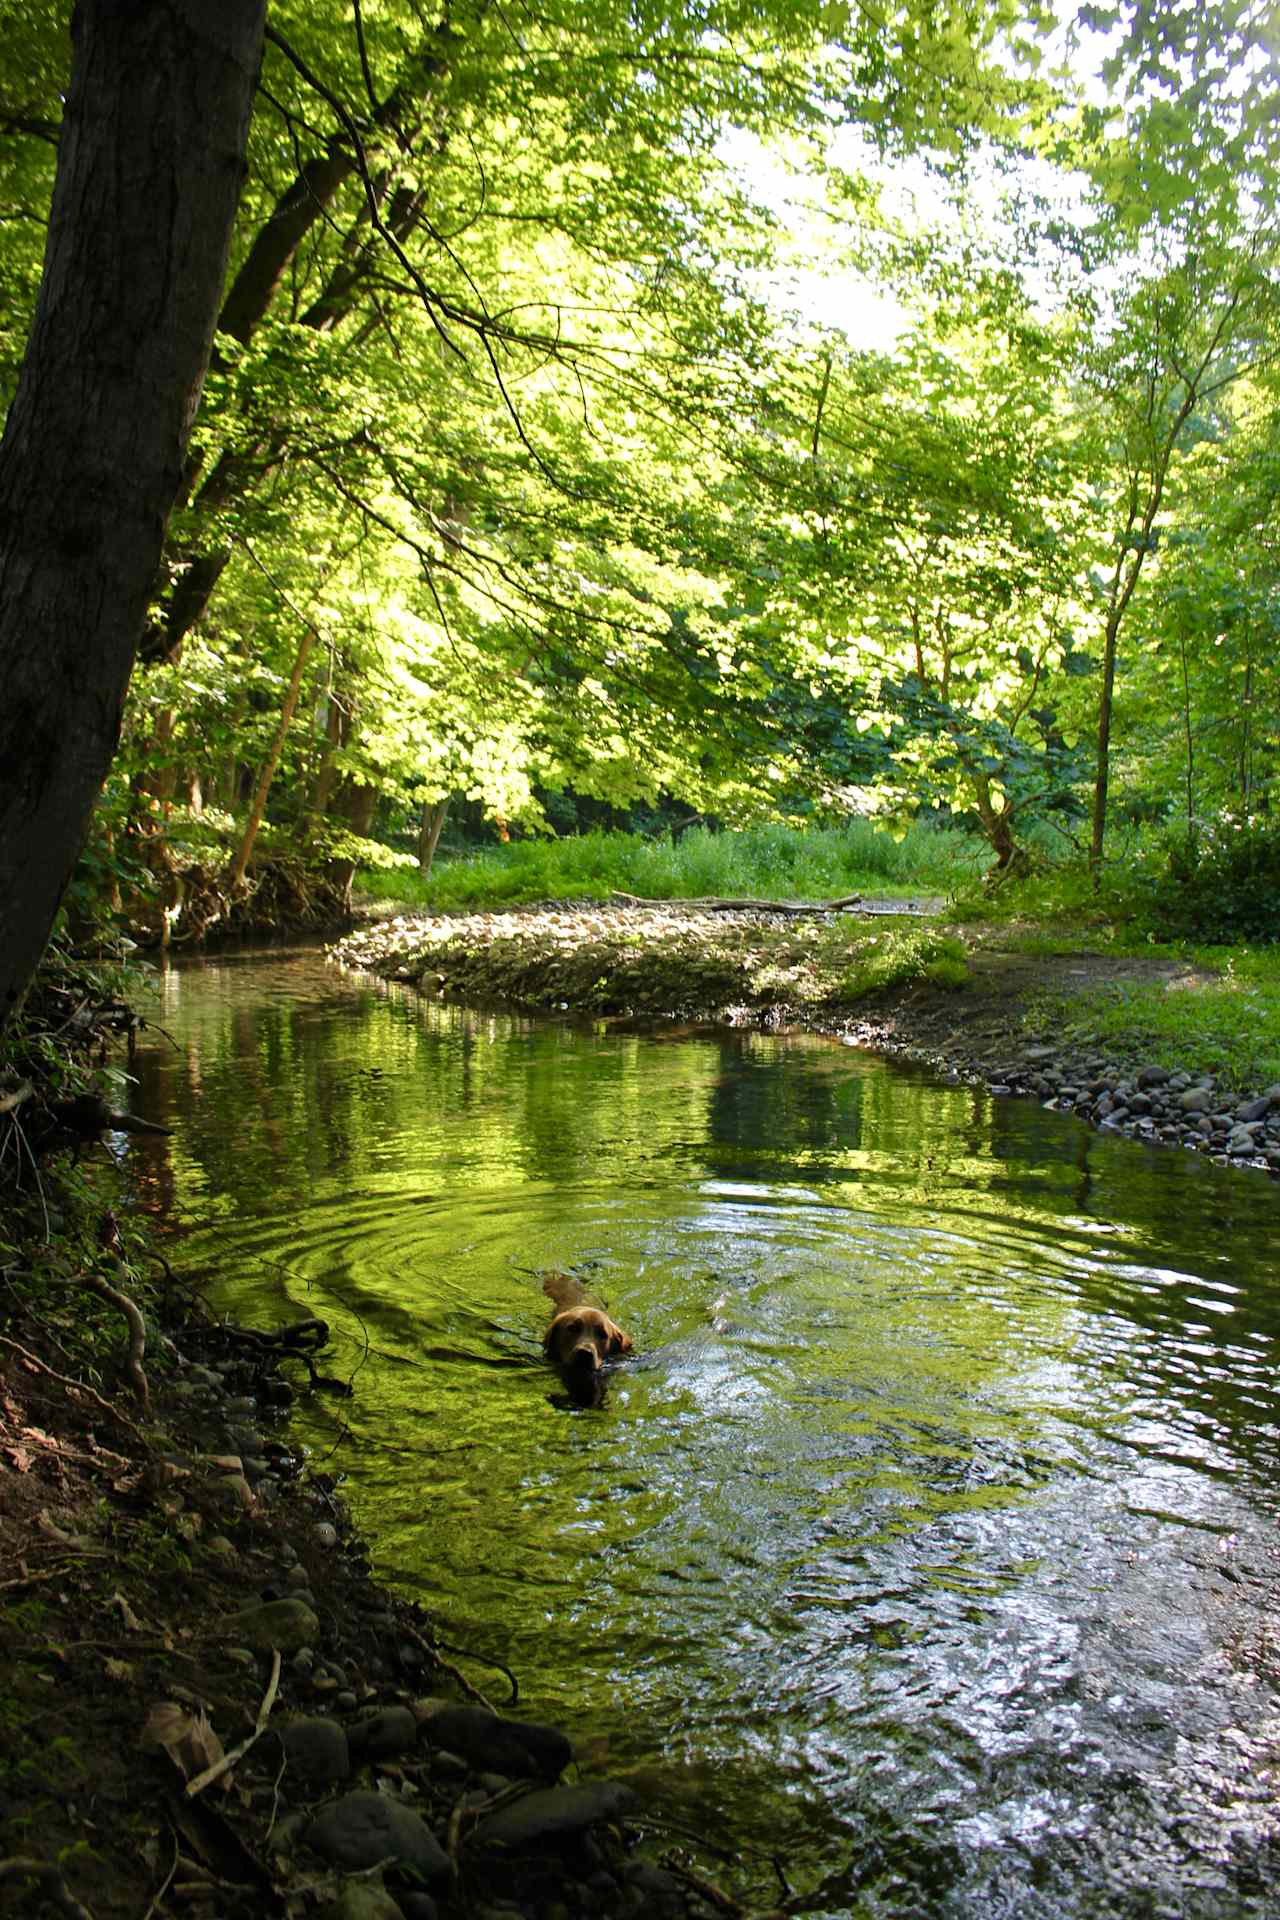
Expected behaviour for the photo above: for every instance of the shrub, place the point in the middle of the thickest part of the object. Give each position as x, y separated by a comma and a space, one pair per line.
1222, 885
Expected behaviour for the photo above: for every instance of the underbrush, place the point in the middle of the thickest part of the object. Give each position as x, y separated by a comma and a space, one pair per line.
68, 1255
1218, 886
771, 861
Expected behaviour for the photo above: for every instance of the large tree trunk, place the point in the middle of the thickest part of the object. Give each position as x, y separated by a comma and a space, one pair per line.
149, 170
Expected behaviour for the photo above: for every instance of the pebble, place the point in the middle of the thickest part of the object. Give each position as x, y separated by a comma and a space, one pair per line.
366, 1900
520, 1749
418, 1906
325, 1534
234, 1490
382, 1735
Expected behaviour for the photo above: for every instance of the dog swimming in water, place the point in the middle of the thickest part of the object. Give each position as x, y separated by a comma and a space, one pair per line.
581, 1340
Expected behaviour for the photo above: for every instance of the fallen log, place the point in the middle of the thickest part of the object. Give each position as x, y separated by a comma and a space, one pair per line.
712, 905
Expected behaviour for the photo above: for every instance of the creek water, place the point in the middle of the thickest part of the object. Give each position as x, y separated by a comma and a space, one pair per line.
928, 1542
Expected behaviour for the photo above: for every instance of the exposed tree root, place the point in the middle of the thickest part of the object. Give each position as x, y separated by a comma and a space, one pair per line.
76, 1386
96, 1283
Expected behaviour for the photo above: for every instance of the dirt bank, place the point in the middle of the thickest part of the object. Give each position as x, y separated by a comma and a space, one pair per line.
173, 1588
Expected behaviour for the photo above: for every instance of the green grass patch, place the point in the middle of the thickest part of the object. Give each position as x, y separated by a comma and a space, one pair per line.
897, 958
770, 862
1220, 1014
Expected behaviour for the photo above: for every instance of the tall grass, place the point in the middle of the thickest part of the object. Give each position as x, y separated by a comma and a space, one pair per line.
771, 862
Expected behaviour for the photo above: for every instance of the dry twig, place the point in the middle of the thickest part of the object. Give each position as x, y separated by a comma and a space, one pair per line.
228, 1760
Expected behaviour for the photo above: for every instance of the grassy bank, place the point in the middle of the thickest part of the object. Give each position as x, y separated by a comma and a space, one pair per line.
769, 862
1218, 1011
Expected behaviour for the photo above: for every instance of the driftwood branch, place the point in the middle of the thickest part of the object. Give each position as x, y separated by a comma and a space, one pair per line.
15, 1098
745, 906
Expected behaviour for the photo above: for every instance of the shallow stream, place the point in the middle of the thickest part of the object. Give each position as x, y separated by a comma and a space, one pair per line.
929, 1541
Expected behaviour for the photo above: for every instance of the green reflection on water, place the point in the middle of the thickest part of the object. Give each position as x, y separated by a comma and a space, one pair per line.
921, 1376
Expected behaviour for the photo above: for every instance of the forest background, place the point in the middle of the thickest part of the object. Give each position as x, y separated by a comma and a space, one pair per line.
526, 494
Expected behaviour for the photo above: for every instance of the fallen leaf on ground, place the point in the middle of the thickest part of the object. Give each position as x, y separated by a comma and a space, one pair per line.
187, 1738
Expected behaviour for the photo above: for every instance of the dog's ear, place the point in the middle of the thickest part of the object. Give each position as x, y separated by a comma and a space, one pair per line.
619, 1342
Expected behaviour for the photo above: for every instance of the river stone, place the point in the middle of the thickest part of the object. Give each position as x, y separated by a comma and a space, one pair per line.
518, 1748
554, 1813
365, 1900
364, 1829
418, 1906
1254, 1109
380, 1735
316, 1749
1196, 1100
652, 1891
1148, 1077
287, 1624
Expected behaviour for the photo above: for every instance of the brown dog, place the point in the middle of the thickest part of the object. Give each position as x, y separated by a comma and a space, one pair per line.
581, 1339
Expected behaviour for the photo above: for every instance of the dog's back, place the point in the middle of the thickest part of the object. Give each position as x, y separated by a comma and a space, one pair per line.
565, 1291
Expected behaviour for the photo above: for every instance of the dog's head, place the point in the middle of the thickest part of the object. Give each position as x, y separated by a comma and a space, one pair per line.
580, 1341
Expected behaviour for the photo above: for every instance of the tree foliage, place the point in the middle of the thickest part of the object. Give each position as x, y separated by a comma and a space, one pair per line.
512, 480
